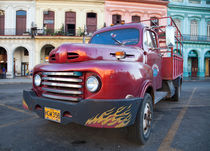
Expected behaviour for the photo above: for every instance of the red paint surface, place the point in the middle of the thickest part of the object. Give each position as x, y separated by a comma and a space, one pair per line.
118, 77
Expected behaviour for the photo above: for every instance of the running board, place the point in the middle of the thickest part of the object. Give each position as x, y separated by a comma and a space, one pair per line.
159, 95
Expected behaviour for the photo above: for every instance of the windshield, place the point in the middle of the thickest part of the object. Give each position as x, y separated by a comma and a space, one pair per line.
128, 36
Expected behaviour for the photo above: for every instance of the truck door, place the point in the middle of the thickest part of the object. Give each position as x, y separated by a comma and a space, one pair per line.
153, 56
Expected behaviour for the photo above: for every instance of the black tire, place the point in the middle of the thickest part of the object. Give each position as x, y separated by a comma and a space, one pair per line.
177, 94
137, 131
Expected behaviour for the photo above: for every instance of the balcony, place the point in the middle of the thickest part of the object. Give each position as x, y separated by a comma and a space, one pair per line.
8, 32
196, 38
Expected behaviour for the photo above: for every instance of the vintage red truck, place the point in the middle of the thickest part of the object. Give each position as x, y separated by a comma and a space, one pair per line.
113, 81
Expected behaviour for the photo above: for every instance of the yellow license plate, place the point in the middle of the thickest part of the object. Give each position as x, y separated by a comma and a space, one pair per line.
52, 114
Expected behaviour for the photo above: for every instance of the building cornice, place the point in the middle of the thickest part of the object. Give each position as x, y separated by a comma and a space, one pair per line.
197, 42
185, 7
159, 2
79, 1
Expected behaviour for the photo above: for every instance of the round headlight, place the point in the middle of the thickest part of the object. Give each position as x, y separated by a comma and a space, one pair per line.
37, 80
92, 84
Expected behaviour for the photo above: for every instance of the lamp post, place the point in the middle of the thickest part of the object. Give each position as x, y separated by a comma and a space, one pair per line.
85, 33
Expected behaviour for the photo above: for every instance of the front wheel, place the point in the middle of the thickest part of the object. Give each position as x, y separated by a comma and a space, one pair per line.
141, 130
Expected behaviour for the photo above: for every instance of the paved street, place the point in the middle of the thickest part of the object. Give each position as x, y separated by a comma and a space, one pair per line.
181, 126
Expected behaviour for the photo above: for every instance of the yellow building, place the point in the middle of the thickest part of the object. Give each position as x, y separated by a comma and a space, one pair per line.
30, 29
70, 15
61, 21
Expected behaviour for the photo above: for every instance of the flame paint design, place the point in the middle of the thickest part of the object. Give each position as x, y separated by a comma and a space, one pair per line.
113, 118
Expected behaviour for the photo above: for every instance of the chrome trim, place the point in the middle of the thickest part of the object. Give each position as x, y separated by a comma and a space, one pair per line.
59, 73
62, 79
61, 91
62, 85
61, 97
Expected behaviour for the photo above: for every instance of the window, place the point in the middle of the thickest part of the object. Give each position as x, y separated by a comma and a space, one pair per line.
2, 20
48, 22
116, 19
207, 1
195, 1
147, 40
136, 19
208, 29
154, 21
91, 15
91, 22
194, 28
154, 40
178, 23
21, 13
20, 22
129, 36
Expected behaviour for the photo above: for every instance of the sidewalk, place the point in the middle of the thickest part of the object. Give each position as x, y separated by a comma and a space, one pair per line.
196, 78
16, 80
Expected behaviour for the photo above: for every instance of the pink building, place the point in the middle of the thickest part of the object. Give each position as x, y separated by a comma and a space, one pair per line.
134, 11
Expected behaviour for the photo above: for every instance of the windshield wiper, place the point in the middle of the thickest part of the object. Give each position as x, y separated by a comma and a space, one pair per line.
113, 37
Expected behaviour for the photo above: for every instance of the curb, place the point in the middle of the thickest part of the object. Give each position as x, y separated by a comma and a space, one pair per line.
15, 81
1, 83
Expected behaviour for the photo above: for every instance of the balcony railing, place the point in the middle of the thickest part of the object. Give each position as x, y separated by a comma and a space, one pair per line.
196, 38
43, 32
14, 32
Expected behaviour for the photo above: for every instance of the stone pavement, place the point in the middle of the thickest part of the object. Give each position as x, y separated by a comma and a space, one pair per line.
17, 80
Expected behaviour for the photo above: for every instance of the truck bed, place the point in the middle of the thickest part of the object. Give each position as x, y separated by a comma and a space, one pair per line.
172, 67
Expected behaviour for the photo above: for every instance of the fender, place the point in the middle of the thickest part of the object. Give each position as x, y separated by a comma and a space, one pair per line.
145, 86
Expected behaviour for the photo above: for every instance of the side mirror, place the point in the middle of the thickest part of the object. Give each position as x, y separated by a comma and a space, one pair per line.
170, 36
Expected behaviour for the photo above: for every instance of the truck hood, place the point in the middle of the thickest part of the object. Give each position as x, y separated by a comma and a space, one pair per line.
68, 53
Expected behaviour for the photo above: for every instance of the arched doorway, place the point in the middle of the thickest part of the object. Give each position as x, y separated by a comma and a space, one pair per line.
21, 61
193, 63
45, 51
3, 62
20, 22
207, 63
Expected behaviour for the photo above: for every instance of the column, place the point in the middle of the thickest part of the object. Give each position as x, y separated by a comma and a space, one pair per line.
203, 2
201, 65
203, 26
100, 19
37, 52
80, 19
127, 16
59, 19
39, 18
186, 2
10, 21
186, 26
10, 65
31, 58
185, 64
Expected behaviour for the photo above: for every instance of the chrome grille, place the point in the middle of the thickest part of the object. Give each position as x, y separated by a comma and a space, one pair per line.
72, 55
66, 86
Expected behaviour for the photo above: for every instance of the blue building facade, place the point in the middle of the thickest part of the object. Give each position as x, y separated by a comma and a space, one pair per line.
193, 19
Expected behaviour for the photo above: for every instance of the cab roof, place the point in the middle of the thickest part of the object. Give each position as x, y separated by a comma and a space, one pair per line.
121, 26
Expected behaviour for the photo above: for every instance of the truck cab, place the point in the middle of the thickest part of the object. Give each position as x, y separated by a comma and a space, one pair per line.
113, 81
